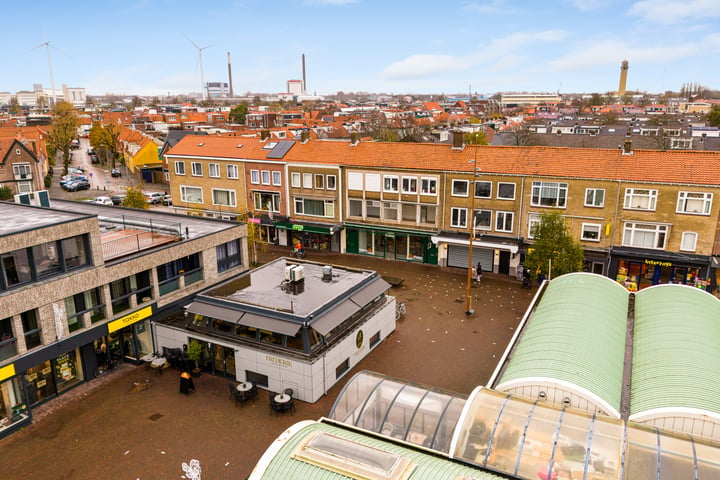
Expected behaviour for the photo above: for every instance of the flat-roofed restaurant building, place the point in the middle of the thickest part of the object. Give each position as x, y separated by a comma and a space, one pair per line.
287, 324
80, 284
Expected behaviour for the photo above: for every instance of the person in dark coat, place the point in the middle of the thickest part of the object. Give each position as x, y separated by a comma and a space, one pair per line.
186, 383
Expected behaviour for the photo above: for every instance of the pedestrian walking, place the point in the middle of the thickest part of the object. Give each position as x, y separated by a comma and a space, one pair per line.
479, 272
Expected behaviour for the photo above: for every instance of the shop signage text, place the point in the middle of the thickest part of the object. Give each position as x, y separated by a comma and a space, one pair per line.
123, 322
7, 371
657, 262
278, 361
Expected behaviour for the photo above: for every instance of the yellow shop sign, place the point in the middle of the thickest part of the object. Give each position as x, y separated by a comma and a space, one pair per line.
123, 322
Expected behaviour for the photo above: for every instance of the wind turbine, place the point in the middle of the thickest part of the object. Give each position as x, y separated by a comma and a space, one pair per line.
46, 44
202, 77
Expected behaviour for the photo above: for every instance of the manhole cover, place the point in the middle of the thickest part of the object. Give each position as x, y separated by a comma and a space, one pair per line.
155, 416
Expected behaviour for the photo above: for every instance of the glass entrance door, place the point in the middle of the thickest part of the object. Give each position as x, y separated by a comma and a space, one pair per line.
223, 361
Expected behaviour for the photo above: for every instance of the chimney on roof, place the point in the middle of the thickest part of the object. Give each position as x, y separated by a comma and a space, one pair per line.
354, 138
627, 147
264, 135
230, 75
458, 139
304, 136
304, 85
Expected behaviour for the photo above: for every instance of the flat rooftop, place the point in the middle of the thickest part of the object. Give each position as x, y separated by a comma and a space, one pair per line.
265, 287
18, 218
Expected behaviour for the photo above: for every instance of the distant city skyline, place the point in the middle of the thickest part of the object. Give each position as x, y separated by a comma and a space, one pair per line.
148, 47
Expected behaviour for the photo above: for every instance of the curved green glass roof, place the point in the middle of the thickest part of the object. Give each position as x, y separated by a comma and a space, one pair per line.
576, 336
676, 351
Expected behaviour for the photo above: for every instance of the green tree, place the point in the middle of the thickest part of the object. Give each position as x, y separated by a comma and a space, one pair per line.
5, 193
14, 106
238, 113
63, 130
134, 198
475, 138
256, 242
554, 251
713, 116
103, 138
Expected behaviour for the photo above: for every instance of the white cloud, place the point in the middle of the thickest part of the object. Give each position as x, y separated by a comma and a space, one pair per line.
613, 52
416, 66
588, 5
674, 11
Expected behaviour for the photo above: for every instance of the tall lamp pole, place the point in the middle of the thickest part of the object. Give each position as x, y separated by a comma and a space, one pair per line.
468, 295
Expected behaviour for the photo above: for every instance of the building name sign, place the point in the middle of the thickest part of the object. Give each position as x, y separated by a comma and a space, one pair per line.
278, 361
123, 322
657, 262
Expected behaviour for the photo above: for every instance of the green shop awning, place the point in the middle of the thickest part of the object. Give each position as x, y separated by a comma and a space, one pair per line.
304, 227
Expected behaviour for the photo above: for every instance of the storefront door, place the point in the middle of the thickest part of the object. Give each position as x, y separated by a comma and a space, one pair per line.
223, 361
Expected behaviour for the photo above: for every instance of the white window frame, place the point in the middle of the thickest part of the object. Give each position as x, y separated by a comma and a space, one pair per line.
475, 188
355, 181
265, 177
391, 183
479, 212
22, 170
185, 198
688, 237
560, 199
257, 195
328, 207
409, 185
214, 170
255, 177
460, 183
427, 208
461, 217
514, 188
24, 187
428, 185
307, 180
635, 197
277, 178
196, 169
319, 181
686, 198
388, 208
501, 220
231, 195
631, 229
328, 182
589, 228
295, 179
179, 167
233, 172
681, 144
355, 201
373, 182
591, 199
533, 219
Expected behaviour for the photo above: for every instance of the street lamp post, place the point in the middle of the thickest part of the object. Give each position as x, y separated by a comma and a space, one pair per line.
468, 295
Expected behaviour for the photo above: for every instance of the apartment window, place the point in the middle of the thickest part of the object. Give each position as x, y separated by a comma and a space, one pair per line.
428, 186
22, 170
307, 180
591, 232
277, 179
549, 194
265, 177
314, 208
390, 183
504, 221
372, 182
594, 197
81, 303
696, 203
372, 209
24, 187
506, 191
319, 181
197, 169
688, 242
428, 214
458, 217
169, 273
224, 198
137, 285
640, 199
295, 179
644, 235
179, 168
232, 172
409, 185
483, 219
408, 212
354, 207
31, 329
228, 255
267, 201
255, 177
214, 170
331, 182
681, 144
16, 268
191, 194
533, 223
390, 211
460, 188
483, 189
354, 181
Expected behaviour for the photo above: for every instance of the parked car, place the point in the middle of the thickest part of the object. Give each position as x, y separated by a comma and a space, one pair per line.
77, 185
91, 151
167, 200
66, 179
118, 198
103, 201
153, 197
115, 172
94, 158
75, 143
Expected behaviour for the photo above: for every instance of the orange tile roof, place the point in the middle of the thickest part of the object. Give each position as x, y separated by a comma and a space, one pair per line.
691, 167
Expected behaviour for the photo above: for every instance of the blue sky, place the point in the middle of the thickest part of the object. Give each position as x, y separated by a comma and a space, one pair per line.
145, 47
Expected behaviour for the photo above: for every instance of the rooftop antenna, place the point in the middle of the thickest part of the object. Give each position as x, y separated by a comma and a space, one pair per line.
202, 77
46, 44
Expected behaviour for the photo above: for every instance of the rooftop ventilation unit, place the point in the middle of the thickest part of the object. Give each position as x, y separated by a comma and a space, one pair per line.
294, 273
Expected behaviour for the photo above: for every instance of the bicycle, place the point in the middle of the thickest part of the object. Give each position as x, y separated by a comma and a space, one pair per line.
400, 310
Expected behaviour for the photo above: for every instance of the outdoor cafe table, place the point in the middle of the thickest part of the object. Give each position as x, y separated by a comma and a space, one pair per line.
159, 363
244, 386
282, 398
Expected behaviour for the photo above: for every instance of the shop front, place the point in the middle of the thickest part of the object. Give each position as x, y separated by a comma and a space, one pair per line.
637, 268
14, 413
391, 243
494, 254
313, 236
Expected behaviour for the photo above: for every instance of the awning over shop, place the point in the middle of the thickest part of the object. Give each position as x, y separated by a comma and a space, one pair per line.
310, 228
661, 255
334, 317
477, 243
270, 324
370, 291
397, 231
215, 311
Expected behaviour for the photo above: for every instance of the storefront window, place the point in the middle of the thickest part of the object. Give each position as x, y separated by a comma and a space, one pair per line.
13, 407
67, 371
40, 383
416, 247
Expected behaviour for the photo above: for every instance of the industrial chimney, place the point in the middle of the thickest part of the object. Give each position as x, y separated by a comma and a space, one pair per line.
230, 76
623, 78
304, 85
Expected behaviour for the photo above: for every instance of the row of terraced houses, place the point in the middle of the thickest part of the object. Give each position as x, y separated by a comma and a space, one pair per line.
643, 217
